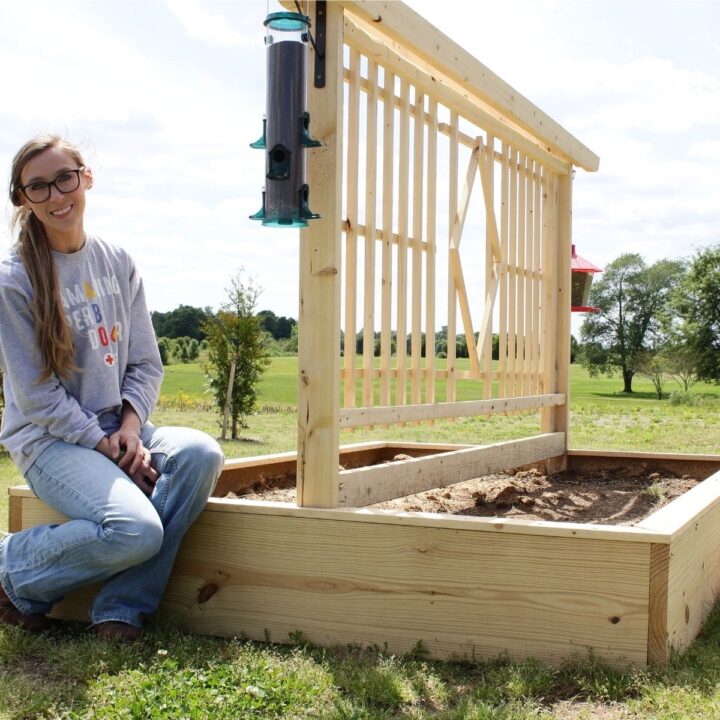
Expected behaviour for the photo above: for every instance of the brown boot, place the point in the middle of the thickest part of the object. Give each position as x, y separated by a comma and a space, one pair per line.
118, 631
10, 615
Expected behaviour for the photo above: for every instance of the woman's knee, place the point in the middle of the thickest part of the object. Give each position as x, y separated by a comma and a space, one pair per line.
204, 459
133, 540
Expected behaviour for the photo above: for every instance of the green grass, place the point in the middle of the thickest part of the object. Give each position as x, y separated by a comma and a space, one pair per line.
173, 675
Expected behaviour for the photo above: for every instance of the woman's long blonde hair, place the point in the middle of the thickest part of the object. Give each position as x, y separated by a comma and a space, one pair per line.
52, 332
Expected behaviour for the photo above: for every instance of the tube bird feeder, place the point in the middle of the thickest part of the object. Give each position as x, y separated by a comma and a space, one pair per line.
582, 277
286, 124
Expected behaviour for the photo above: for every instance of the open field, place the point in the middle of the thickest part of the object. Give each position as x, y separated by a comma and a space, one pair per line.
172, 675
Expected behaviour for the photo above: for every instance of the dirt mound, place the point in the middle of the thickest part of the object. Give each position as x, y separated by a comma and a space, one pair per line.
611, 497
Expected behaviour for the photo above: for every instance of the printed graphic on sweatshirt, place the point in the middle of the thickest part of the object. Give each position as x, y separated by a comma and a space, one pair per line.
85, 312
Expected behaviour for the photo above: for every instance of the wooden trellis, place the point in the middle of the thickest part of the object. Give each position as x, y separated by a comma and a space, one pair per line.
411, 136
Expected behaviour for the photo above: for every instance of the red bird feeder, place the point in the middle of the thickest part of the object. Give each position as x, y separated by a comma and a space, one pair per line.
582, 277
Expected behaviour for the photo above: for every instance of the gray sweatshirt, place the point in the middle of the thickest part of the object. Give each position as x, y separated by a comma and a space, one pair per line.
115, 350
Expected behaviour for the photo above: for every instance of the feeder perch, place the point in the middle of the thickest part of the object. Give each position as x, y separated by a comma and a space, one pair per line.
582, 277
286, 124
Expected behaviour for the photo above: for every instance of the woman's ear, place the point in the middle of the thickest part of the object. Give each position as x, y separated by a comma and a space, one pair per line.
88, 178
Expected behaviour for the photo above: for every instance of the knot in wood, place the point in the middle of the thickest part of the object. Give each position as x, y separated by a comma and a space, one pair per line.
206, 592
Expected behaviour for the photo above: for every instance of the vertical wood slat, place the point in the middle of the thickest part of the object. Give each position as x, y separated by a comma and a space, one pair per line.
370, 239
537, 253
504, 243
387, 229
319, 309
417, 233
562, 295
549, 284
527, 364
403, 190
353, 144
520, 326
489, 159
512, 276
452, 295
430, 255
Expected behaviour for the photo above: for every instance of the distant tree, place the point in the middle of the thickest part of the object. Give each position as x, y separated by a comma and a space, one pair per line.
268, 321
164, 350
193, 349
633, 300
184, 321
283, 328
236, 354
697, 304
2, 394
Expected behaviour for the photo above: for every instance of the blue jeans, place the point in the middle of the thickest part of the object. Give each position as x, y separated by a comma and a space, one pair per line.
116, 535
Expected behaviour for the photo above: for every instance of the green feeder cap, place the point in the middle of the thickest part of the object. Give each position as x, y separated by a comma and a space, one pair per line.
287, 21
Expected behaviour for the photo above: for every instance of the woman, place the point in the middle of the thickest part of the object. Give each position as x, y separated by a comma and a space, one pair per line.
82, 374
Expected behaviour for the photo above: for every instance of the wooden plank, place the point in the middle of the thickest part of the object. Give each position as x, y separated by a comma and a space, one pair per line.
416, 314
563, 279
431, 255
320, 258
455, 265
520, 290
459, 214
512, 274
35, 512
448, 59
492, 239
356, 417
505, 254
694, 571
353, 143
503, 596
549, 295
368, 485
402, 284
15, 518
658, 646
450, 387
387, 233
358, 37
537, 283
368, 357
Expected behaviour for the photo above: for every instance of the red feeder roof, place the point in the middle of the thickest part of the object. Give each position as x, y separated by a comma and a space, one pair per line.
579, 264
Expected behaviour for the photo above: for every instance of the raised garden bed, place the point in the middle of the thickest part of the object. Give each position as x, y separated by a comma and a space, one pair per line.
459, 586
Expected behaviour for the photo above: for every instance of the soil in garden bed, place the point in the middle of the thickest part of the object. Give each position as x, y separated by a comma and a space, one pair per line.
618, 496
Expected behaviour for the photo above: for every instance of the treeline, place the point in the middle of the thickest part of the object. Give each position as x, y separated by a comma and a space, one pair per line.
177, 329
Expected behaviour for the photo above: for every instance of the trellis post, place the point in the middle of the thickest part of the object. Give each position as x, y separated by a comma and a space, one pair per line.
319, 338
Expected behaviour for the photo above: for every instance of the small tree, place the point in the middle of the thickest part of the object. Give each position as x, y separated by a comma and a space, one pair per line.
163, 349
236, 354
193, 350
652, 366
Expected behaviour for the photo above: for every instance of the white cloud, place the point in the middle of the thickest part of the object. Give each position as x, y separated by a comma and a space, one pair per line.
209, 27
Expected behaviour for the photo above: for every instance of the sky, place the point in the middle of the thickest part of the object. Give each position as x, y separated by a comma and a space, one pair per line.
164, 97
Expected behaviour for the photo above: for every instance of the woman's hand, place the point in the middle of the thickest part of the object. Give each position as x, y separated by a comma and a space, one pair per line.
134, 458
126, 449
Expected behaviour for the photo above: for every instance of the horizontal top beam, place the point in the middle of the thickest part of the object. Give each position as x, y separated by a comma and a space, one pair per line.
406, 27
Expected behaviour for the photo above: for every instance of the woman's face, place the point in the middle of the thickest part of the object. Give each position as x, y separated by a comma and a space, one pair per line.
61, 213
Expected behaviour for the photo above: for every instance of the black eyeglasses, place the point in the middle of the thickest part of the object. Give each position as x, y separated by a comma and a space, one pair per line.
66, 182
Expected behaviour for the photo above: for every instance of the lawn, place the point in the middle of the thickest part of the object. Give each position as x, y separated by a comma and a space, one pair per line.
174, 675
